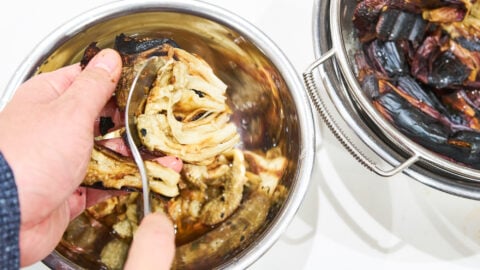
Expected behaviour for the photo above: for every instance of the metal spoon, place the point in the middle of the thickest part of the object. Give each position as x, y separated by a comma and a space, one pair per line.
141, 83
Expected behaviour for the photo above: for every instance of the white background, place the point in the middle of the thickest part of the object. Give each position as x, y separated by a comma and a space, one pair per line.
350, 218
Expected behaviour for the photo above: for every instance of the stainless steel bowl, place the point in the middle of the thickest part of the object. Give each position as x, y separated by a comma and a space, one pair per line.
371, 139
240, 54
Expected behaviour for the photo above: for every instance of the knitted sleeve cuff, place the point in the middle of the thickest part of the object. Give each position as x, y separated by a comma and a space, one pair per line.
9, 218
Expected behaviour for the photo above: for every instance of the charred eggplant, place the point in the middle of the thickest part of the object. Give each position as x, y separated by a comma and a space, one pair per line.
419, 64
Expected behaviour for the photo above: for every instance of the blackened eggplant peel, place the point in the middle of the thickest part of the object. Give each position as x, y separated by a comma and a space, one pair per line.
420, 63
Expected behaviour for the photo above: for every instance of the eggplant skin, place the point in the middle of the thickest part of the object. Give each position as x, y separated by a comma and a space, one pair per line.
228, 237
419, 63
133, 51
127, 45
88, 54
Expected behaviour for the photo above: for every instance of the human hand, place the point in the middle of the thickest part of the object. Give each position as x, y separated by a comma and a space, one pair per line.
47, 138
153, 245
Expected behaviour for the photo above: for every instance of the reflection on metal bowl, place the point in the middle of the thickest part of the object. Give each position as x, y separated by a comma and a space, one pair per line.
269, 104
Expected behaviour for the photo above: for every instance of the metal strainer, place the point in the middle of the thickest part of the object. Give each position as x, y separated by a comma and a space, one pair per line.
335, 45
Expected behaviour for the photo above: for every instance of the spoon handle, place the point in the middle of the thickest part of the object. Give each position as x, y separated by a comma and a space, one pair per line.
142, 81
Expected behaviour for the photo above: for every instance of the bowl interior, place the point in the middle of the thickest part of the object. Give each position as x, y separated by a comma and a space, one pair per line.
264, 110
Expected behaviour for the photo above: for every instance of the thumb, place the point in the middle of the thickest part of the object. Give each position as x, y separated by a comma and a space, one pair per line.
153, 245
94, 86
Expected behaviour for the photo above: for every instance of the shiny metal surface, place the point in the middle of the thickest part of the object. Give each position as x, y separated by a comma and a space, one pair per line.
241, 55
362, 119
337, 131
143, 80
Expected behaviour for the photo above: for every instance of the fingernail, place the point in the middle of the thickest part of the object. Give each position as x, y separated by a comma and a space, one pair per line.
106, 59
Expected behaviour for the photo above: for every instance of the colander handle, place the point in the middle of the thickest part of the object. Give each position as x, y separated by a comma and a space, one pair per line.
337, 131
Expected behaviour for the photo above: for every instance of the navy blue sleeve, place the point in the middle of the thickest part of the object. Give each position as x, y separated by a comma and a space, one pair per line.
9, 218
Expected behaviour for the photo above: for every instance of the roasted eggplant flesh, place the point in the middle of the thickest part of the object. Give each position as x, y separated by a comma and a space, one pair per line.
419, 62
217, 193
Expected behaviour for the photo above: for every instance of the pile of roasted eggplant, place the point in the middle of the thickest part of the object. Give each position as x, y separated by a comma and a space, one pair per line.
419, 64
218, 194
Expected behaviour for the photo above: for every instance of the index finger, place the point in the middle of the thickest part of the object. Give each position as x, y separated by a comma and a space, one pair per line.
48, 86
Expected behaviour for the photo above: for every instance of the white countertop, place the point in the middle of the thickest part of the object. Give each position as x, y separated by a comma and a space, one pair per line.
350, 218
